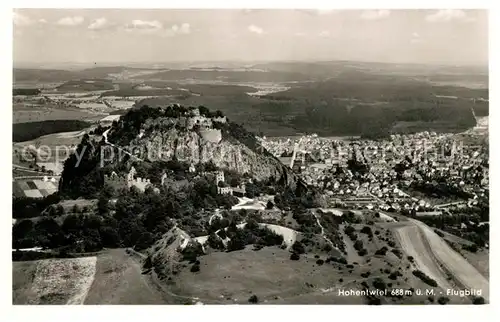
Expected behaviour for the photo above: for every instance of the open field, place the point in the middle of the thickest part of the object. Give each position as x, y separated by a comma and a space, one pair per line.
55, 139
268, 273
34, 188
103, 74
231, 278
22, 132
22, 114
480, 260
84, 85
54, 149
115, 277
62, 140
23, 274
53, 281
118, 280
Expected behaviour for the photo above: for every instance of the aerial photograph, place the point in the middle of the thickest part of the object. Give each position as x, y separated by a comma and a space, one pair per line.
250, 157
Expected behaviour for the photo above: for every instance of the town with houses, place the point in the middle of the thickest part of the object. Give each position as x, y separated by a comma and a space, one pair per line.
421, 157
360, 174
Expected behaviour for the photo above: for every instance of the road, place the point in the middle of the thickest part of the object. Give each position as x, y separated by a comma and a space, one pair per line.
105, 136
435, 258
450, 204
466, 274
377, 198
413, 244
34, 177
16, 166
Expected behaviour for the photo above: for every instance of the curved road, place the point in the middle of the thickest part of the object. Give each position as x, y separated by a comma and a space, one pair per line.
34, 177
434, 257
105, 136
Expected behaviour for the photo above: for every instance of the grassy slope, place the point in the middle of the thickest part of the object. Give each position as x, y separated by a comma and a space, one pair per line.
118, 280
23, 274
52, 281
268, 273
224, 278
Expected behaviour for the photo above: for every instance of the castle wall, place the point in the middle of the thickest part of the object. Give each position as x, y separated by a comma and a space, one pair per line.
199, 120
211, 135
141, 185
116, 182
225, 190
220, 119
163, 122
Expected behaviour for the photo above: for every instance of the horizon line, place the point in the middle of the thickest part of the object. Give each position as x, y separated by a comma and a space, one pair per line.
125, 63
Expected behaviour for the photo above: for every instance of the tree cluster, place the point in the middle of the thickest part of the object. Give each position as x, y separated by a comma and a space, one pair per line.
426, 279
24, 207
252, 233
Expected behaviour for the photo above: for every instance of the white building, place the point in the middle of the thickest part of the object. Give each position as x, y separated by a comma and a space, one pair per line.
219, 177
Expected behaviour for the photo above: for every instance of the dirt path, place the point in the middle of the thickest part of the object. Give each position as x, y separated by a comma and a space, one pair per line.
154, 281
105, 136
323, 231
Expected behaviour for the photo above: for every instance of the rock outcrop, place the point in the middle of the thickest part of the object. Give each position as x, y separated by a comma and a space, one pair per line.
227, 145
190, 147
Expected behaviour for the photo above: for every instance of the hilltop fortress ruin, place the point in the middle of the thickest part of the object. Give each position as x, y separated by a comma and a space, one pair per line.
126, 182
130, 180
193, 120
193, 135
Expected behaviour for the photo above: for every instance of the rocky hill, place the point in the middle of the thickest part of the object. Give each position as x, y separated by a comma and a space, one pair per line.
196, 136
193, 136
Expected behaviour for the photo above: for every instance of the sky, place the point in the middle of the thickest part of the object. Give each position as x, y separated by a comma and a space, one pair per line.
451, 36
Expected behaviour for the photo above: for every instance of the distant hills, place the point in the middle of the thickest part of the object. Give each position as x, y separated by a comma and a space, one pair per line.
43, 75
328, 98
260, 72
59, 75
